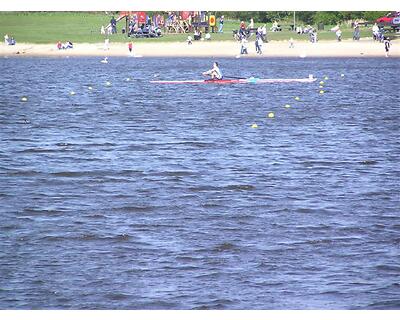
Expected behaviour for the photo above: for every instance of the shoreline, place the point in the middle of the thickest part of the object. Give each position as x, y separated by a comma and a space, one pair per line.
220, 49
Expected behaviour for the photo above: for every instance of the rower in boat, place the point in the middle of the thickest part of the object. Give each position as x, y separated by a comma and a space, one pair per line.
214, 73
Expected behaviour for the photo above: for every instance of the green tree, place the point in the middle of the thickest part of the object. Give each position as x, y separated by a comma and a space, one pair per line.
328, 17
307, 17
373, 15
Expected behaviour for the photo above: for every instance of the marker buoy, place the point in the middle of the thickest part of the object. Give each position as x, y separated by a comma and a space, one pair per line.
297, 98
342, 75
321, 91
271, 115
72, 93
90, 88
321, 87
254, 125
108, 83
321, 82
24, 99
326, 78
287, 105
128, 79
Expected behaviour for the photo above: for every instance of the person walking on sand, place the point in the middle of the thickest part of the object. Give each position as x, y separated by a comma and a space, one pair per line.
215, 73
291, 43
386, 42
130, 47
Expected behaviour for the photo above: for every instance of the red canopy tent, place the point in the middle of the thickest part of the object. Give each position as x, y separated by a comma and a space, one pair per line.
140, 15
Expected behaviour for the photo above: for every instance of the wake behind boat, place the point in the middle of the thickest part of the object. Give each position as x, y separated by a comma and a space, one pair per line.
250, 80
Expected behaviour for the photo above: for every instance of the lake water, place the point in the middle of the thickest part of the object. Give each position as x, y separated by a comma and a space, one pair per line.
143, 196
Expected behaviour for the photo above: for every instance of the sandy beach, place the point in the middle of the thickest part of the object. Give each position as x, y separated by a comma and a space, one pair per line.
346, 48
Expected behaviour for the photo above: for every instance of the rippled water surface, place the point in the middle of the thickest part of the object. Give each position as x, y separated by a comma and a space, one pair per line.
137, 196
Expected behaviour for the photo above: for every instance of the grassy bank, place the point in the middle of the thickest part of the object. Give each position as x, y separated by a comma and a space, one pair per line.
79, 27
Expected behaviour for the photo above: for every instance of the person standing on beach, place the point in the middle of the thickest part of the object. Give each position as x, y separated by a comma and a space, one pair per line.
130, 47
251, 25
375, 32
113, 24
242, 29
264, 33
356, 33
386, 42
106, 44
339, 35
221, 25
243, 46
258, 42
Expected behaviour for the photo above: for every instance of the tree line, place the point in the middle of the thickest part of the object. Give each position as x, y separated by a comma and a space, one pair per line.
306, 17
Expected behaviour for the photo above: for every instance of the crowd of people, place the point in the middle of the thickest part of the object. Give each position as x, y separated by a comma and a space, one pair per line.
149, 29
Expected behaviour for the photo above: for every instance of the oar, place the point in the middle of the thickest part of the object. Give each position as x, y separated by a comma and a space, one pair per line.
232, 77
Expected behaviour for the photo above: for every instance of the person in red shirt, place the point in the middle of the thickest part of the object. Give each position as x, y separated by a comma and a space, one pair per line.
59, 45
130, 47
242, 30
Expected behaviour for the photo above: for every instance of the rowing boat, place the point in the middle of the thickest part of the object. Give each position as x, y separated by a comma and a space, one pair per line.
234, 81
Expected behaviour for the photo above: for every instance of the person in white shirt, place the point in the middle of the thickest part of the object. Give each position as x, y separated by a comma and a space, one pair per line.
251, 25
264, 33
215, 73
243, 46
339, 35
375, 32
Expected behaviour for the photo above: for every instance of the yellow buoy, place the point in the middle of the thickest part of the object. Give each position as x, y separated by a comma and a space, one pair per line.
128, 79
321, 82
254, 125
108, 83
342, 75
321, 87
326, 78
321, 91
287, 105
90, 88
271, 115
72, 93
297, 98
24, 99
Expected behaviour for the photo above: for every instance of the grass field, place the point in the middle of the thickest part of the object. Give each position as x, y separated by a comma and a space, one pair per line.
79, 27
